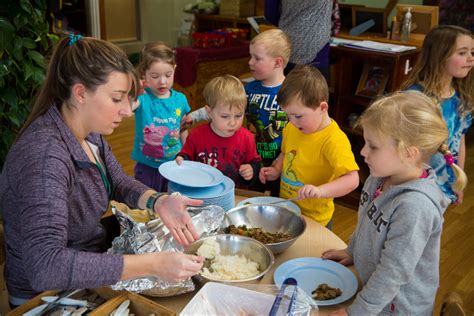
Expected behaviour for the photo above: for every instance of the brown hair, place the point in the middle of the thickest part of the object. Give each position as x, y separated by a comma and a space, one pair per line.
411, 119
153, 52
438, 46
306, 83
226, 89
276, 43
86, 60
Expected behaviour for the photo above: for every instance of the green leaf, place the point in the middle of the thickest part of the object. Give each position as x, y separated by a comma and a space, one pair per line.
28, 43
20, 21
38, 75
5, 43
37, 57
18, 54
9, 96
25, 4
53, 37
6, 26
13, 116
28, 70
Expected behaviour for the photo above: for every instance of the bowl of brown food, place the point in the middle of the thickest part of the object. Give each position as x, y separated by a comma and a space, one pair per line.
275, 226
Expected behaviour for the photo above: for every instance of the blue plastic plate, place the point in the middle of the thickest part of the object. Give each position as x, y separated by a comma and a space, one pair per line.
269, 199
191, 174
203, 193
310, 272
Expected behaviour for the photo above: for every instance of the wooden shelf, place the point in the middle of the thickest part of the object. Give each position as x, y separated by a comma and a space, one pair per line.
348, 66
380, 38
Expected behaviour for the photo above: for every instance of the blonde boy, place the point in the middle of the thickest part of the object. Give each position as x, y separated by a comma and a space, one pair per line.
269, 55
223, 142
316, 163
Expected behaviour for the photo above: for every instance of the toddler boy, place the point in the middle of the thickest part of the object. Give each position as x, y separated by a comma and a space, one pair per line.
316, 163
223, 142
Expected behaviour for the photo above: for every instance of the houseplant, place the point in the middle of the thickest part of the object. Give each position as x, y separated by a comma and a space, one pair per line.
24, 39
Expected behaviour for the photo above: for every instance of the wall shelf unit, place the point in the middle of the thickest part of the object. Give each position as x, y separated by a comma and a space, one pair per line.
345, 106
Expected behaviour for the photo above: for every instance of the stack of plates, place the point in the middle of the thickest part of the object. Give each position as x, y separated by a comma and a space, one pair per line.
199, 181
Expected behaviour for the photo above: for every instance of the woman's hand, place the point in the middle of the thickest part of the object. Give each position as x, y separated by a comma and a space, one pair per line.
341, 256
246, 172
173, 213
168, 265
309, 191
175, 267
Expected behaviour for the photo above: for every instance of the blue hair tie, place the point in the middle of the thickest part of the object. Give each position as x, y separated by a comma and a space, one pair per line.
74, 38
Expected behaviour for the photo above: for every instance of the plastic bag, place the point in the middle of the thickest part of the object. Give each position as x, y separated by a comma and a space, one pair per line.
247, 299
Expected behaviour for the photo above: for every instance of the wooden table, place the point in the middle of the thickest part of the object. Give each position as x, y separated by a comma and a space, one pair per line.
315, 240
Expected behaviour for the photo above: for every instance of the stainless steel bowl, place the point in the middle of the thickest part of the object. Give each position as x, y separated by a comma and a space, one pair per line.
237, 245
271, 218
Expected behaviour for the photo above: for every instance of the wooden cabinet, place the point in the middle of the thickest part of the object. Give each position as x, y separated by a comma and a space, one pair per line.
346, 106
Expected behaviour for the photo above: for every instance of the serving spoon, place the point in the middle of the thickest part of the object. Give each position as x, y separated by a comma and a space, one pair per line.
274, 202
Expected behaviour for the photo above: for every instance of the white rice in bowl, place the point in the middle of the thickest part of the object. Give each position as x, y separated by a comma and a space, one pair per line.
234, 267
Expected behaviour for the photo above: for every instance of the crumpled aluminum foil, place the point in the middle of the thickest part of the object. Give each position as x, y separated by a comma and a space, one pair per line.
138, 238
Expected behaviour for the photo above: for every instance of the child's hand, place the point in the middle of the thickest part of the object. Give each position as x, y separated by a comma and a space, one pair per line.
186, 121
268, 174
341, 256
143, 84
309, 192
246, 172
460, 197
179, 160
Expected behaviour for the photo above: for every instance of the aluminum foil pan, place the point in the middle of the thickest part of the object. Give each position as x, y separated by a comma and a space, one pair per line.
138, 238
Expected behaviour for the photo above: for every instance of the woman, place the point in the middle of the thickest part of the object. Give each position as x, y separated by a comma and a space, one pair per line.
308, 24
60, 175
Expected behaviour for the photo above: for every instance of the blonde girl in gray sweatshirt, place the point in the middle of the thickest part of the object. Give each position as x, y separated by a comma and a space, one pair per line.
395, 248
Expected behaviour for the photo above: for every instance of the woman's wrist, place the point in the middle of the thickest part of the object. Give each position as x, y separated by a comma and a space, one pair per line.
148, 200
150, 203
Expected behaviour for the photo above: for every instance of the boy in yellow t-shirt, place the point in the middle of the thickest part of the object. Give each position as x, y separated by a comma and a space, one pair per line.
316, 163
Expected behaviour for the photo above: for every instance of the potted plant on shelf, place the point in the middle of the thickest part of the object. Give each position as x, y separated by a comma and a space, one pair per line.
24, 39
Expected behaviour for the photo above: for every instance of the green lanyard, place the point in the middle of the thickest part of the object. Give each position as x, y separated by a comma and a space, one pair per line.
105, 180
103, 174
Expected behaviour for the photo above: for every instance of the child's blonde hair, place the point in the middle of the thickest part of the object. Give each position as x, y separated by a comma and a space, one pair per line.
276, 43
412, 119
227, 90
153, 52
438, 45
306, 83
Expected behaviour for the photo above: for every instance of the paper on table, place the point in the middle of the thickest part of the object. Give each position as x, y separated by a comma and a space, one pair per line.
384, 47
339, 41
